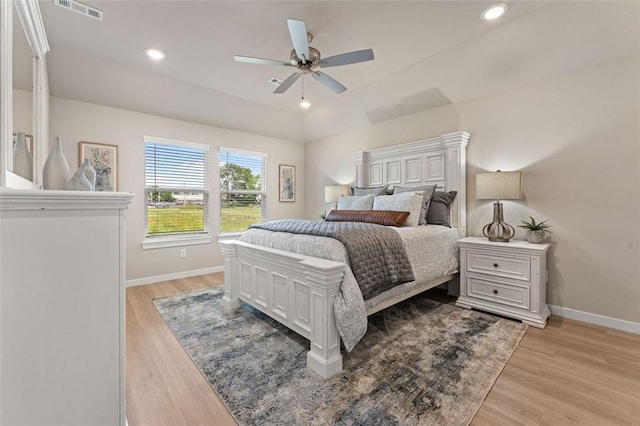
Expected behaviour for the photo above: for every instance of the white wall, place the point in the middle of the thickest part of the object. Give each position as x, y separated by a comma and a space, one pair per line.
78, 121
576, 138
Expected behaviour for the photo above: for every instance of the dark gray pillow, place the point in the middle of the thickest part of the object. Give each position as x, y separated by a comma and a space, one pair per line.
440, 208
427, 190
378, 190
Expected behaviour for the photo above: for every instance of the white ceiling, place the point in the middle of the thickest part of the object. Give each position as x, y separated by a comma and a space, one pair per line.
427, 54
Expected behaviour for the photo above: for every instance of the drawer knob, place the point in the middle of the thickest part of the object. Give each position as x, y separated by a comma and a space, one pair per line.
495, 291
495, 265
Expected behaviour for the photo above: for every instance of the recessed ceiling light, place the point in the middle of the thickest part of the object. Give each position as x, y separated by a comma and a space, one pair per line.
154, 53
494, 11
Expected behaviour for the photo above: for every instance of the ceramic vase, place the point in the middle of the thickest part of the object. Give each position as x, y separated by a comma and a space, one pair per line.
79, 182
22, 160
56, 170
89, 172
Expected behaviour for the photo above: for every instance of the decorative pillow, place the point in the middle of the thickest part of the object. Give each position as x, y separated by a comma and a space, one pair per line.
406, 202
428, 193
353, 202
381, 217
440, 208
378, 190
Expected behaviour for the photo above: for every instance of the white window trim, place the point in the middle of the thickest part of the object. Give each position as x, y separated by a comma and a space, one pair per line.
150, 242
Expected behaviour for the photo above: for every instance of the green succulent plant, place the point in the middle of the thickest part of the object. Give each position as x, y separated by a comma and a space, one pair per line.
532, 225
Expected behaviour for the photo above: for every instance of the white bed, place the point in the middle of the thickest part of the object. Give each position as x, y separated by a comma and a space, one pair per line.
299, 290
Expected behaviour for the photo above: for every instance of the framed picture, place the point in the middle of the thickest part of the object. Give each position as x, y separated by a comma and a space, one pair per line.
287, 184
104, 159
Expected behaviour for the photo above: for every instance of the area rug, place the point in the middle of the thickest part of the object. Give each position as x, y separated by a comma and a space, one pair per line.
421, 363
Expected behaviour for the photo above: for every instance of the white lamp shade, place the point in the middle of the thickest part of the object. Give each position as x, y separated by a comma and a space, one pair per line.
498, 186
332, 193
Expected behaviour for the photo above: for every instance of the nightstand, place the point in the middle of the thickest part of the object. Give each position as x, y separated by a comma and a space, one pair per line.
509, 279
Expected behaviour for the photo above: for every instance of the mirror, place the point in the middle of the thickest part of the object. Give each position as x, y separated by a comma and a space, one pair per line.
25, 109
22, 104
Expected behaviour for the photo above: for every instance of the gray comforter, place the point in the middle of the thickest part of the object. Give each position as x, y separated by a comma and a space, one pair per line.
376, 253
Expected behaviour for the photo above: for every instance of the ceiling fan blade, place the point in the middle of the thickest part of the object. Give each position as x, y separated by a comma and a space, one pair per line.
260, 61
329, 82
287, 83
298, 33
347, 58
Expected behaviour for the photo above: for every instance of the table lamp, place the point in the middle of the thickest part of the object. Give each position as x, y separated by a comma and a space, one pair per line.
332, 193
498, 186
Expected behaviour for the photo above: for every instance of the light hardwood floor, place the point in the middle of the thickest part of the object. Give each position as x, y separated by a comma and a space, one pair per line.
569, 373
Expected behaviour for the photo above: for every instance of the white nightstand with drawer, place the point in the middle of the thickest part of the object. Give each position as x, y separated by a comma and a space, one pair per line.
509, 279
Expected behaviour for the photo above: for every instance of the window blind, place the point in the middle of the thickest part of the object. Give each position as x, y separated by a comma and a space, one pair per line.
176, 188
242, 197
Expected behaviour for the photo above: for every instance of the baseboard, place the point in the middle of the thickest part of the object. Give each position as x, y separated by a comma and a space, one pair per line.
177, 275
618, 324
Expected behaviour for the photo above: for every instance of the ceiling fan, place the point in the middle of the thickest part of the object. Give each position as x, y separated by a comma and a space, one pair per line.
308, 61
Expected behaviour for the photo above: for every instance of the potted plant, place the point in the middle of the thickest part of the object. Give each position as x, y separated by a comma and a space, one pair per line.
536, 230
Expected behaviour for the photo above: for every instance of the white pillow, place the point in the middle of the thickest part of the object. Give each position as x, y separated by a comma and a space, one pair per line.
354, 202
404, 202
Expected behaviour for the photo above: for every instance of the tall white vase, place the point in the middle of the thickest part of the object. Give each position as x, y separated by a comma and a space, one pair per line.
56, 170
89, 172
22, 160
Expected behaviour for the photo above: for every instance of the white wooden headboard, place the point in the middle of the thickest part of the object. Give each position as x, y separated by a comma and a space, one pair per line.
441, 160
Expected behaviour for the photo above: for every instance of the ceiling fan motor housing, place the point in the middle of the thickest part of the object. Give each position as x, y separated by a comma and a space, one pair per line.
313, 53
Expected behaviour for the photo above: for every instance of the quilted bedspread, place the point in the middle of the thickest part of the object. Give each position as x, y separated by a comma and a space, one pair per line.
377, 254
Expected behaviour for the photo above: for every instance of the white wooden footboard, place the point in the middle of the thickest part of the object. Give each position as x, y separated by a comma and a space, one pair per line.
295, 290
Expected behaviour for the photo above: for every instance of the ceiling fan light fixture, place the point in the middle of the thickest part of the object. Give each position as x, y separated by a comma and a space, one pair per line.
154, 54
305, 104
494, 11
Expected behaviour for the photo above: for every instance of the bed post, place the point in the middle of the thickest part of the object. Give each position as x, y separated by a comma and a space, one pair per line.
324, 356
230, 299
358, 159
456, 177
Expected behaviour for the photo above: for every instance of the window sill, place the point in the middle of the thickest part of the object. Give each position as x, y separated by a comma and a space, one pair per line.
175, 241
229, 236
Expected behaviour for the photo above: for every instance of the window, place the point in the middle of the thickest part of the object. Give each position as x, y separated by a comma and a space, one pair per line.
177, 193
242, 195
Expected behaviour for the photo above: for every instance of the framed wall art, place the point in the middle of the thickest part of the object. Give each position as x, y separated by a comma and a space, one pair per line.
287, 183
104, 159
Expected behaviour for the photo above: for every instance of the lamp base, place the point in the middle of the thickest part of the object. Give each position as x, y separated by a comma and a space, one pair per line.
498, 230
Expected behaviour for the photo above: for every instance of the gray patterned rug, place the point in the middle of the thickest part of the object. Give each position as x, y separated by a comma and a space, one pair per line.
420, 363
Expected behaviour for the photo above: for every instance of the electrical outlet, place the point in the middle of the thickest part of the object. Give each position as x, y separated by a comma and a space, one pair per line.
183, 252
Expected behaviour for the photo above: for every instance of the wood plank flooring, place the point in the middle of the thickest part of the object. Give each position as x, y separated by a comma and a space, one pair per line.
569, 373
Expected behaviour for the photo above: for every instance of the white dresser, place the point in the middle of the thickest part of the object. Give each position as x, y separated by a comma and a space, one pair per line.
62, 299
509, 279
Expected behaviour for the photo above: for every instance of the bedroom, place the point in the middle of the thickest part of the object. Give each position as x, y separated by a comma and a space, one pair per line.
551, 91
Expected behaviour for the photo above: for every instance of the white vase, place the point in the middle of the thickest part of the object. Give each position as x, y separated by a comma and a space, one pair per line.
89, 172
79, 182
56, 170
22, 160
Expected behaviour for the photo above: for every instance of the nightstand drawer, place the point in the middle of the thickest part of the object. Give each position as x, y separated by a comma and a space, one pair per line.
518, 267
499, 292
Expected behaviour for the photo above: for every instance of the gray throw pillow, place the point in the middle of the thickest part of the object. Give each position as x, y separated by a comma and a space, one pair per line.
353, 202
378, 190
428, 193
440, 208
